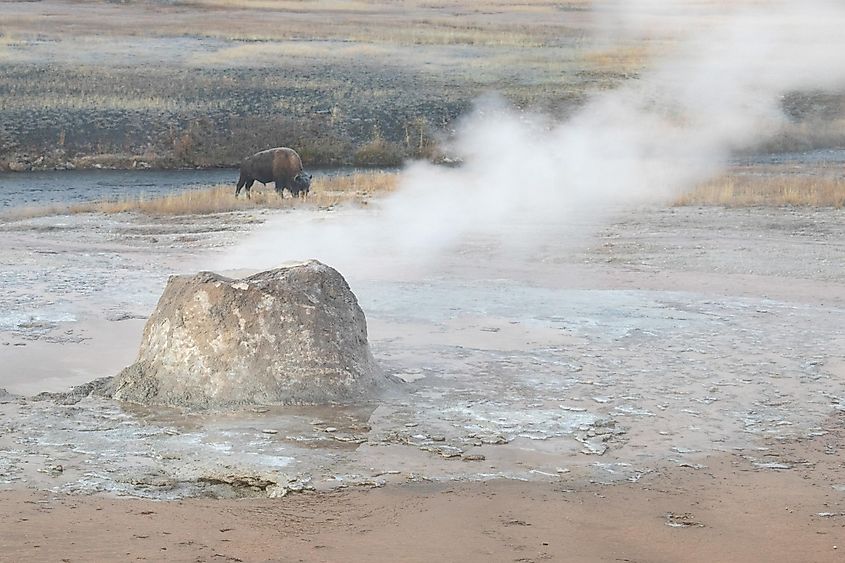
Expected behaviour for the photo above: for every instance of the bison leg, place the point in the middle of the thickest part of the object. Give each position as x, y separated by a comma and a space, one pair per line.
241, 182
244, 182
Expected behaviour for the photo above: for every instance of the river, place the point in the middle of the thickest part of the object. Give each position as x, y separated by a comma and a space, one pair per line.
72, 186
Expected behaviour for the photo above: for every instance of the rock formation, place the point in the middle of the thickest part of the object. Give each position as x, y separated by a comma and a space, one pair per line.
293, 335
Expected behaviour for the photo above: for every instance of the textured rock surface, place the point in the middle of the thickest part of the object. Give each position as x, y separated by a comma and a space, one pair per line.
291, 335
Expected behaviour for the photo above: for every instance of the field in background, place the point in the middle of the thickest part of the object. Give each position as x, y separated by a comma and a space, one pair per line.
202, 83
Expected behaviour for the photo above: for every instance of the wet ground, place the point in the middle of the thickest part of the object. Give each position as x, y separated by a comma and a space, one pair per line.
669, 335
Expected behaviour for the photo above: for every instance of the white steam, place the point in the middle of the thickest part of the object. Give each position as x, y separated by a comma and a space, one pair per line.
526, 176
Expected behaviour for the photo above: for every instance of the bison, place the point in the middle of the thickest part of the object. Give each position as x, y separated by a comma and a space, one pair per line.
281, 166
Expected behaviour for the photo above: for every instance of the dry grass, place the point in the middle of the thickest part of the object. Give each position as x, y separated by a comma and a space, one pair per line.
749, 191
105, 103
361, 183
627, 58
326, 192
270, 52
414, 22
285, 6
324, 6
203, 83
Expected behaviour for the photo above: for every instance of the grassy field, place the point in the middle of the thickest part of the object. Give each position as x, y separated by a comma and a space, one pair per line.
206, 82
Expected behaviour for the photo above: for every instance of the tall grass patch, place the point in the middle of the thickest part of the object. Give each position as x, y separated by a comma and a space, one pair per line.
747, 191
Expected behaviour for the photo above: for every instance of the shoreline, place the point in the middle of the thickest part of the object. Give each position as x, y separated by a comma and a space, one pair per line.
23, 164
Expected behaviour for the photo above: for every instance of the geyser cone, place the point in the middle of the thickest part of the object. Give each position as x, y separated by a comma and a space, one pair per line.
293, 335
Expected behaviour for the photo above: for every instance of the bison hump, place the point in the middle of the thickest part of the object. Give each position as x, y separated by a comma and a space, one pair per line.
286, 163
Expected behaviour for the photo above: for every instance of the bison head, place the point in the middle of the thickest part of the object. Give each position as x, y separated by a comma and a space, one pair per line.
301, 183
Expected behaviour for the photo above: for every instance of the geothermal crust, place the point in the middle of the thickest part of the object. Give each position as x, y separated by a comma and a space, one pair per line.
293, 335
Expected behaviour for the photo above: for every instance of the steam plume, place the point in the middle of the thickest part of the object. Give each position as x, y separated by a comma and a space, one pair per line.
524, 176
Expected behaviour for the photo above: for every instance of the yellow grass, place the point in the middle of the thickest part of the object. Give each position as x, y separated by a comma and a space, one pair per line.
101, 102
287, 6
270, 52
746, 191
361, 183
358, 188
371, 6
325, 192
411, 22
624, 58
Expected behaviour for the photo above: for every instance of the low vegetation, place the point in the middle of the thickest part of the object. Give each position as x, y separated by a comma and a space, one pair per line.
745, 191
359, 188
204, 83
326, 192
207, 82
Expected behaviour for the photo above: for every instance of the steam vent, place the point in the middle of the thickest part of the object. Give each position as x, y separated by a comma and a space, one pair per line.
293, 335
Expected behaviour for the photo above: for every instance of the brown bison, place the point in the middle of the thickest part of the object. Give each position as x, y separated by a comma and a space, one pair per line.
281, 166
